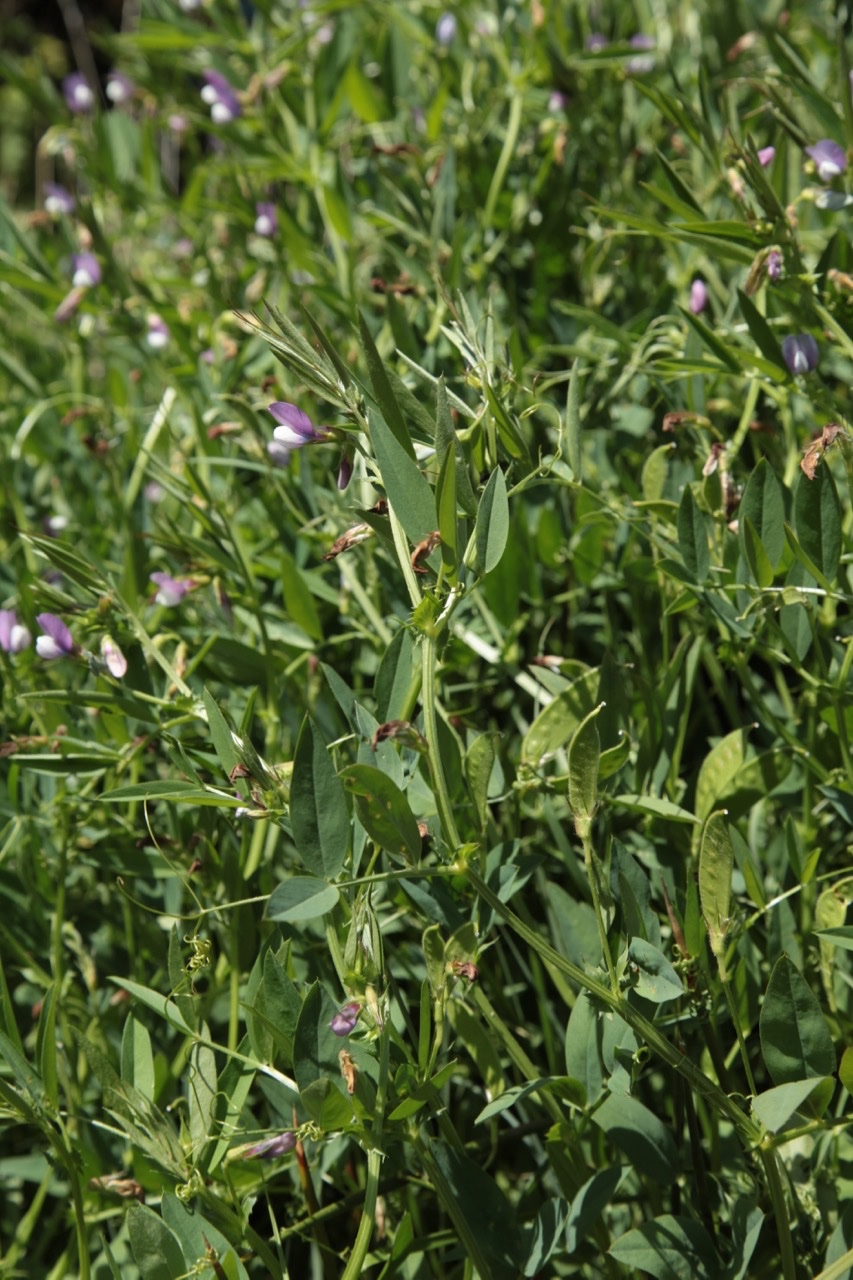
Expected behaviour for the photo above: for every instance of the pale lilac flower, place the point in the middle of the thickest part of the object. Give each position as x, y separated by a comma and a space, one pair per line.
78, 93
170, 591
178, 123
557, 101
189, 6
345, 1019
445, 29
595, 42
279, 453
800, 352
698, 297
830, 159
158, 334
774, 264
221, 98
296, 428
266, 219
57, 641
116, 662
279, 1145
119, 88
14, 636
766, 156
645, 62
86, 269
56, 199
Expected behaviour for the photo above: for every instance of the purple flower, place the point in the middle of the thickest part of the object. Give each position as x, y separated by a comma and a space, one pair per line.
86, 269
766, 156
830, 159
78, 94
170, 591
345, 1019
266, 219
557, 101
14, 636
112, 655
345, 469
698, 296
221, 98
119, 88
56, 199
57, 641
279, 1145
645, 62
445, 29
595, 42
800, 352
296, 428
158, 332
774, 264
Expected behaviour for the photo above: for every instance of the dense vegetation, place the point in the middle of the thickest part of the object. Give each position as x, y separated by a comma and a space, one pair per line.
425, 642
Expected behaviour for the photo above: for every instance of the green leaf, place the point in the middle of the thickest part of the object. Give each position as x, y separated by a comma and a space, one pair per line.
492, 527
755, 554
566, 1088
795, 1039
842, 936
719, 770
315, 1045
573, 424
763, 505
668, 1248
716, 860
641, 1135
174, 791
196, 1234
155, 1248
693, 537
584, 752
657, 980
398, 678
817, 519
479, 762
445, 501
483, 1217
383, 810
137, 1057
298, 599
653, 477
301, 898
220, 732
46, 1046
162, 1005
762, 335
407, 489
202, 1090
318, 809
774, 1107
556, 722
590, 1202
385, 398
654, 806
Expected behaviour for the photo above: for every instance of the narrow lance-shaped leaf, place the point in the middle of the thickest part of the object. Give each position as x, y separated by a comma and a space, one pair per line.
817, 514
385, 397
408, 491
573, 423
492, 528
318, 808
383, 809
795, 1039
716, 860
693, 537
584, 753
446, 506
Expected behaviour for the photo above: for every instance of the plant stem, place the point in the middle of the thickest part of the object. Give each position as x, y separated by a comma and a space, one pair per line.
439, 783
355, 1262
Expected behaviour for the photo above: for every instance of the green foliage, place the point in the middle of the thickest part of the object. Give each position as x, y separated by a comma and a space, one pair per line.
446, 872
